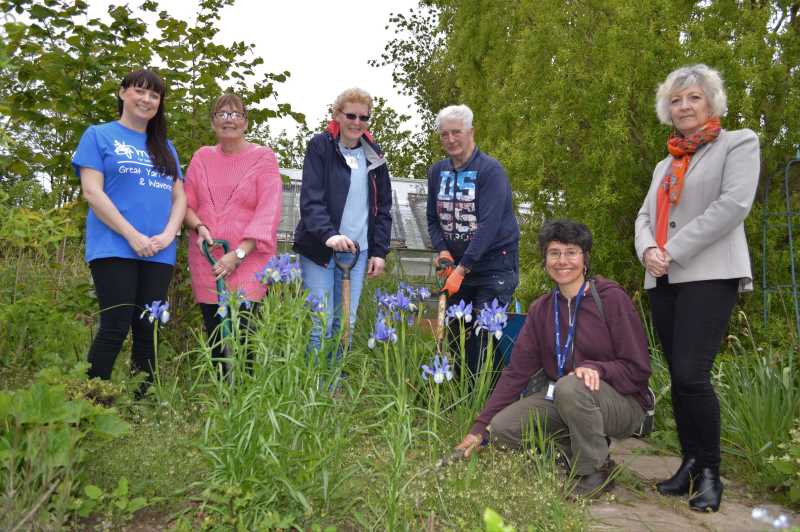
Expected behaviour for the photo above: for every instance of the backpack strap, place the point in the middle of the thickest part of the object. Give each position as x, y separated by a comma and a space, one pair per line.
649, 419
597, 301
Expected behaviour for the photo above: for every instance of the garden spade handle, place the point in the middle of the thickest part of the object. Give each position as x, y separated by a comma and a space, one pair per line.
441, 265
225, 329
346, 266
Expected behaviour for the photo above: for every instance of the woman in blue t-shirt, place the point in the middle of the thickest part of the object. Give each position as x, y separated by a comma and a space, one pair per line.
131, 178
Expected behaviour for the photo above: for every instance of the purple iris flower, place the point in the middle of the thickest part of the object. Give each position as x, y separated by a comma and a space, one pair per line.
383, 333
229, 299
396, 302
385, 300
459, 311
423, 293
280, 269
440, 371
295, 271
409, 291
492, 318
403, 303
156, 311
315, 303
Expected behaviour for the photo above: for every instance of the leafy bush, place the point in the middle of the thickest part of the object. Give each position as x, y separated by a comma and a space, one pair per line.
39, 334
788, 463
41, 433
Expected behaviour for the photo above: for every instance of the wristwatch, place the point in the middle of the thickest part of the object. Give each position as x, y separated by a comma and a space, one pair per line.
240, 253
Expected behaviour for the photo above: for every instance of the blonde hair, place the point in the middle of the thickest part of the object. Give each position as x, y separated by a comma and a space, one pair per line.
230, 99
353, 95
701, 75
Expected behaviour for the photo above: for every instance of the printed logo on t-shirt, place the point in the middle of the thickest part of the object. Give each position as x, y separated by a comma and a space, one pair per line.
456, 205
137, 163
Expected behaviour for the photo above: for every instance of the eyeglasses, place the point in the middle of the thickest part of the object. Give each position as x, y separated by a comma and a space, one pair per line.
225, 115
569, 254
353, 116
454, 133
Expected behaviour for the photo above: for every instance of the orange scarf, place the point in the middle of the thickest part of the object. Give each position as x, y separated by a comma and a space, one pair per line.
669, 193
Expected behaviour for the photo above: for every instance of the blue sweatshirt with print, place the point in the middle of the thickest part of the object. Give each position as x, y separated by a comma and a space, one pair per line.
470, 211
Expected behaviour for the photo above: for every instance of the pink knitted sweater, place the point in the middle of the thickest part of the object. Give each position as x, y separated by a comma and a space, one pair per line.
237, 196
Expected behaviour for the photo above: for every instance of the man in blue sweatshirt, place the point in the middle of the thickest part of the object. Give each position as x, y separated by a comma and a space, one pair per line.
471, 222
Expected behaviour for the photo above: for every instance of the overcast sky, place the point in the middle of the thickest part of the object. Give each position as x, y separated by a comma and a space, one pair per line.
324, 45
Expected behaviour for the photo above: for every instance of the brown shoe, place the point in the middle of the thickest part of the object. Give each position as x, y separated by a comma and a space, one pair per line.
594, 484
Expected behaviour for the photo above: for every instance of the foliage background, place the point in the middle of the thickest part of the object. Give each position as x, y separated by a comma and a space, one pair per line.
563, 95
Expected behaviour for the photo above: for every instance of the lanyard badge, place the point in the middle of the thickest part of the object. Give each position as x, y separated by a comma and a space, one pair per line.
562, 352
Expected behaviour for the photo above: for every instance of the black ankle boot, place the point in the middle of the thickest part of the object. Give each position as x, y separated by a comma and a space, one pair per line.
679, 483
707, 491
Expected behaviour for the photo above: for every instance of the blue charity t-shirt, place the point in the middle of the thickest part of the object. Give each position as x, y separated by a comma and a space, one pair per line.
141, 194
355, 216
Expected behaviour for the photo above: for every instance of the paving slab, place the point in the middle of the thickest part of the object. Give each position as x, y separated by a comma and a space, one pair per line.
636, 506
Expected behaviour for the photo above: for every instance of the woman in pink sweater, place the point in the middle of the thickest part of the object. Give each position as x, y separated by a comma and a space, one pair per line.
234, 193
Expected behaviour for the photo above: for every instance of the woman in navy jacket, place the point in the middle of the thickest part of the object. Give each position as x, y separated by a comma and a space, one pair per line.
345, 199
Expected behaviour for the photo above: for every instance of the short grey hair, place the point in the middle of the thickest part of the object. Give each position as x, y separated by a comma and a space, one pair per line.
702, 75
455, 112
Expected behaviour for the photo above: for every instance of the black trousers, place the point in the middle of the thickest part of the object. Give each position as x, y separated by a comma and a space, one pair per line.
691, 320
495, 277
212, 322
124, 287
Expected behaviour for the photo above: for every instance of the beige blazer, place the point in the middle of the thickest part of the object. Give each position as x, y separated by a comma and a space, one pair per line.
705, 235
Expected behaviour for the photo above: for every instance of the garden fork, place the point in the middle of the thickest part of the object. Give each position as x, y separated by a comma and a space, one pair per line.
443, 267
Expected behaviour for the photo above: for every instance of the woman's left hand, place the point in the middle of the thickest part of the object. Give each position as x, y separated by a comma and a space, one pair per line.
376, 266
225, 265
161, 241
589, 376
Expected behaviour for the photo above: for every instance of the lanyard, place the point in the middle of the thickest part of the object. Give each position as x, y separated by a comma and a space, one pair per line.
563, 352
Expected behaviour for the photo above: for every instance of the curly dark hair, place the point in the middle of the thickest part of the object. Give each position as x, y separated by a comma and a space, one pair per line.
566, 232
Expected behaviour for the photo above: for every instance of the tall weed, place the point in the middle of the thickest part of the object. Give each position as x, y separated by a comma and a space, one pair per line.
275, 433
759, 401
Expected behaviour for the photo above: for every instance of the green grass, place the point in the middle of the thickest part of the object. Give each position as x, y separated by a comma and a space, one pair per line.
159, 456
274, 449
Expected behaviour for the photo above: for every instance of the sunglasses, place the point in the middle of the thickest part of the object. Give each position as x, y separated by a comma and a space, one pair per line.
353, 116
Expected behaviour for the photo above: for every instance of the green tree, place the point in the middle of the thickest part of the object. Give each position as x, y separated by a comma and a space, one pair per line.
563, 95
60, 71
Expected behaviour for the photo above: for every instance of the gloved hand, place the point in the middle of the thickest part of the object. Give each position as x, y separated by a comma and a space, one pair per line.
453, 284
444, 264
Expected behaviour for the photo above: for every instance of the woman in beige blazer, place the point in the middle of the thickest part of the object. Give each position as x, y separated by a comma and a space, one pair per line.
690, 238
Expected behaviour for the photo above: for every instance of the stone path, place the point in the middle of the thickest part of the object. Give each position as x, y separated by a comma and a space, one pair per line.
635, 506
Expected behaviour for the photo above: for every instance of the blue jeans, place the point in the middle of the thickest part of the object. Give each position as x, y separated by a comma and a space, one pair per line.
326, 283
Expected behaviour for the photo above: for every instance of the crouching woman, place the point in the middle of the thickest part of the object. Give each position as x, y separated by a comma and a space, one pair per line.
587, 339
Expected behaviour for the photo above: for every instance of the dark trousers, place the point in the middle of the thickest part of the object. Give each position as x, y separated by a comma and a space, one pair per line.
691, 320
212, 322
492, 278
124, 287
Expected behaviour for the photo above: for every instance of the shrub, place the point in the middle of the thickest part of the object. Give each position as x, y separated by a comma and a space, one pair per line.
41, 433
788, 463
39, 334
